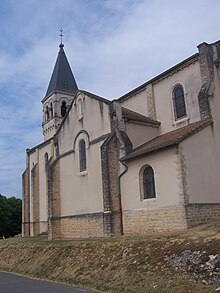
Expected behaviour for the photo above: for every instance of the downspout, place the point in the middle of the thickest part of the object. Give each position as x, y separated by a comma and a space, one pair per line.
120, 203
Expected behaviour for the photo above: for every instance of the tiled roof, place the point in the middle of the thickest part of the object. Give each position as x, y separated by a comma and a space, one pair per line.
62, 77
137, 117
167, 139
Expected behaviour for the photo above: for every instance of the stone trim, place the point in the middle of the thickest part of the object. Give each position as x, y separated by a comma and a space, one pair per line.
207, 74
25, 204
151, 102
54, 204
100, 138
82, 215
35, 199
181, 169
66, 154
39, 222
30, 151
206, 62
107, 220
203, 99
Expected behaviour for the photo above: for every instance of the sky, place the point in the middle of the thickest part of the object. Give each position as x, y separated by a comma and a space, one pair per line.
112, 46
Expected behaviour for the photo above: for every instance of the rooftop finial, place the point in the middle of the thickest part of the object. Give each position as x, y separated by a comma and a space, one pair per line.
61, 35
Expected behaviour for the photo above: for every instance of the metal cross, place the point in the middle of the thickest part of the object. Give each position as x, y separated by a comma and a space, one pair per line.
61, 35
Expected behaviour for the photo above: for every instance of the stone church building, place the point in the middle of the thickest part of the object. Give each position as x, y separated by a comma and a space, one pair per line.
146, 162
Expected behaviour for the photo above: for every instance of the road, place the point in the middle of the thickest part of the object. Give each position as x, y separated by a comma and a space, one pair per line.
11, 283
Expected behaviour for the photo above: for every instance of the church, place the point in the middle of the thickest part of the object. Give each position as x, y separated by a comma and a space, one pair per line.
144, 163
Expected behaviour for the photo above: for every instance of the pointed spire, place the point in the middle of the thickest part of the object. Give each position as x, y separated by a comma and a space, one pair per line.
62, 77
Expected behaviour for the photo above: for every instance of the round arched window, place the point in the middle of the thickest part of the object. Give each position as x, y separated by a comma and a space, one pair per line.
147, 182
179, 102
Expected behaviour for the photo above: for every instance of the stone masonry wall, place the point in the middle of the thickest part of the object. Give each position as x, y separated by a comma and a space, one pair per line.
147, 222
114, 186
151, 102
25, 204
207, 75
197, 214
54, 202
111, 192
35, 199
82, 226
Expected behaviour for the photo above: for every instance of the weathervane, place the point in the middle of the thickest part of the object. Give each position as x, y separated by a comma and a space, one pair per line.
61, 35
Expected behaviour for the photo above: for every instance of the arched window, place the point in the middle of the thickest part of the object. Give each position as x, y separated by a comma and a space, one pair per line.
46, 160
179, 102
82, 155
51, 110
63, 109
47, 114
148, 183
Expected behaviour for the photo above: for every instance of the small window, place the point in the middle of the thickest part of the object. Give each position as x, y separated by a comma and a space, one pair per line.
51, 110
63, 109
47, 114
148, 183
46, 160
82, 155
79, 109
179, 102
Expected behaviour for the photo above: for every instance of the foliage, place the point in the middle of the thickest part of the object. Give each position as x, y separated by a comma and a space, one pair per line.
10, 216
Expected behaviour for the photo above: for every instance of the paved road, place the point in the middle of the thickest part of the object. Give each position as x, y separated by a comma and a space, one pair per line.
10, 283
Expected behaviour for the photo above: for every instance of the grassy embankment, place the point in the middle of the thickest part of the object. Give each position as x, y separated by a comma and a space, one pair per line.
99, 264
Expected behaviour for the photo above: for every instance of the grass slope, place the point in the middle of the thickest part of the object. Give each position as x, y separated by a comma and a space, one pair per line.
136, 264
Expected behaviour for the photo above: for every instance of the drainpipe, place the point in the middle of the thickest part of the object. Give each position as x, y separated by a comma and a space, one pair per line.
120, 203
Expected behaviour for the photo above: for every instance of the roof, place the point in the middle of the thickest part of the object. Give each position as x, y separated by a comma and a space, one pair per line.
190, 59
62, 77
137, 117
91, 95
29, 151
167, 139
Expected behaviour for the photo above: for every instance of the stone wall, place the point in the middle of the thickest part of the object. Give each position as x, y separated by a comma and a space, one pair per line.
25, 204
150, 102
54, 202
35, 199
201, 213
140, 222
111, 192
82, 226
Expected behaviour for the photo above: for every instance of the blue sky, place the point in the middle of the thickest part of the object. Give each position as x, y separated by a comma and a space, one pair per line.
112, 47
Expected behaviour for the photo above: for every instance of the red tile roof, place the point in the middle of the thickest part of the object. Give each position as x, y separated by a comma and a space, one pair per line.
167, 139
137, 117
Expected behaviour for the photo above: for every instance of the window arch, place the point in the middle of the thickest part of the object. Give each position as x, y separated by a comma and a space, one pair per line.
179, 102
47, 114
46, 157
51, 110
82, 155
63, 109
147, 183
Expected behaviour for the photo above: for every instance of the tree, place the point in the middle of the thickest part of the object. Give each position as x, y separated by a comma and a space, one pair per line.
10, 216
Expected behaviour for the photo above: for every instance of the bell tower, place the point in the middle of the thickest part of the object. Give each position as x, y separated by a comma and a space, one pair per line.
61, 90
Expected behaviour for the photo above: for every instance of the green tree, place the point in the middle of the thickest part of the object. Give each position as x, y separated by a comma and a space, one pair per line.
10, 216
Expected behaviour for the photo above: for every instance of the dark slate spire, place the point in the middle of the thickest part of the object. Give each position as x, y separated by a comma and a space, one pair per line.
62, 77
